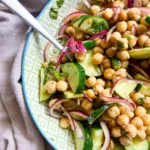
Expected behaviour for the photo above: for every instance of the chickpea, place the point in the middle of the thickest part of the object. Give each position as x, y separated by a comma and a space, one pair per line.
123, 55
100, 82
70, 30
106, 63
140, 111
98, 89
123, 120
113, 112
131, 130
146, 119
109, 84
121, 26
142, 39
130, 23
142, 21
97, 59
51, 87
134, 13
115, 36
108, 73
98, 50
105, 44
116, 132
145, 2
87, 105
105, 93
79, 35
111, 52
112, 123
138, 122
64, 123
141, 29
147, 43
148, 5
95, 9
121, 72
122, 109
90, 93
141, 134
122, 44
138, 98
125, 141
91, 81
108, 13
132, 40
106, 117
80, 56
144, 64
111, 145
52, 101
124, 64
62, 86
123, 15
146, 103
148, 130
130, 114
97, 42
127, 33
116, 78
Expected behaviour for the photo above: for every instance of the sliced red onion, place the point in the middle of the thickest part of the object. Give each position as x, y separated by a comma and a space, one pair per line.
79, 131
79, 115
141, 70
61, 36
133, 29
87, 3
72, 45
124, 102
129, 76
80, 47
144, 11
117, 11
72, 15
89, 99
99, 34
106, 134
52, 112
46, 51
146, 83
62, 29
130, 3
102, 68
109, 33
137, 3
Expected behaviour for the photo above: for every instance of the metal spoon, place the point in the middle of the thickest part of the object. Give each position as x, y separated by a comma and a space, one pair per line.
18, 8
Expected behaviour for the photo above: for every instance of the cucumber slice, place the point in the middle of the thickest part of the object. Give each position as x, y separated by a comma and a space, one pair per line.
89, 44
97, 137
143, 53
89, 67
97, 113
117, 146
84, 143
138, 145
140, 77
116, 64
145, 90
76, 76
123, 89
44, 95
69, 94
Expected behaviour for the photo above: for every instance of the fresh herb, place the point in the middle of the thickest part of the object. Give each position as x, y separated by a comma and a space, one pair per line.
147, 19
60, 3
120, 45
128, 38
53, 13
141, 100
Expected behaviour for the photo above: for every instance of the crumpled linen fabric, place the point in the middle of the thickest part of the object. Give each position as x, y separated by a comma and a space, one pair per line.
17, 130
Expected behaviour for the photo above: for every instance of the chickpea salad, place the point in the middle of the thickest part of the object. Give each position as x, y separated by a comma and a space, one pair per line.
99, 85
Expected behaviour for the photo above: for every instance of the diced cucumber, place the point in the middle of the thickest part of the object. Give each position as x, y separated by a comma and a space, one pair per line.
138, 145
140, 77
116, 63
44, 95
69, 94
97, 113
84, 143
117, 146
138, 87
76, 76
145, 90
89, 44
97, 137
123, 89
143, 53
90, 68
97, 24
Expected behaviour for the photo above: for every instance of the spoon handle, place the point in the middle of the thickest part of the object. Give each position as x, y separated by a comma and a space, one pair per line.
19, 9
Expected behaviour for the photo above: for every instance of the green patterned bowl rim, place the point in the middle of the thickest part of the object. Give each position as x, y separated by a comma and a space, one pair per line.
23, 78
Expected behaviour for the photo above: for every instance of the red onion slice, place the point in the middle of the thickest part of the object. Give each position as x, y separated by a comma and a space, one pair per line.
87, 3
80, 47
141, 70
109, 33
46, 51
89, 99
52, 112
124, 102
79, 131
106, 134
137, 3
133, 29
144, 11
117, 11
99, 34
72, 45
62, 29
79, 115
72, 16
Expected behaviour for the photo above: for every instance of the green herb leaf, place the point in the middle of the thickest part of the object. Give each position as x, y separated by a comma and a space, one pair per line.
60, 3
53, 13
141, 100
147, 19
128, 38
120, 45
